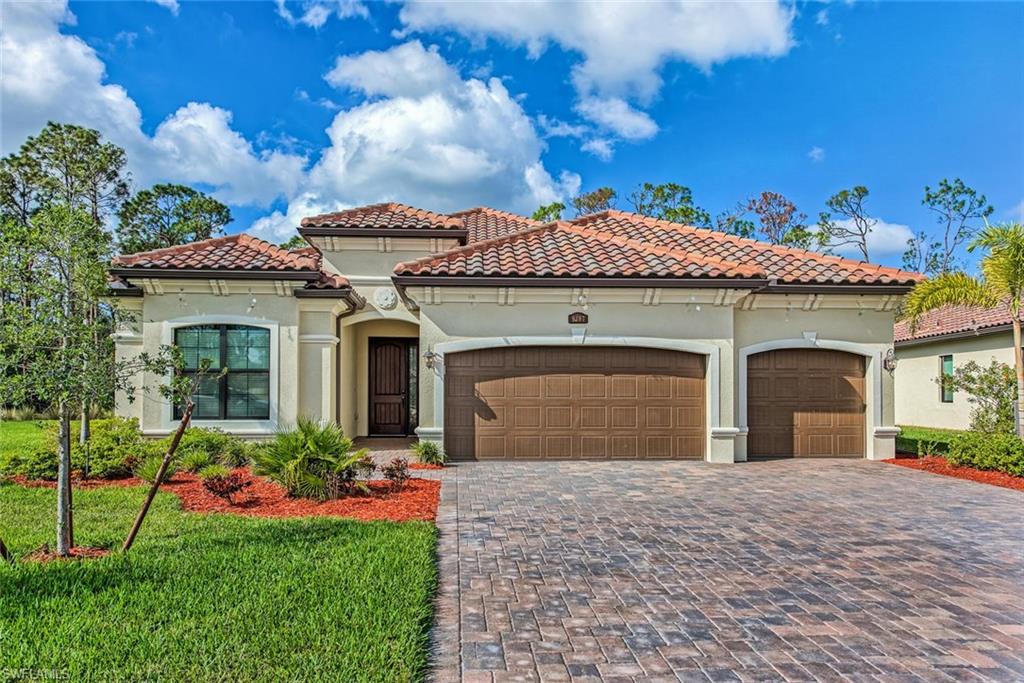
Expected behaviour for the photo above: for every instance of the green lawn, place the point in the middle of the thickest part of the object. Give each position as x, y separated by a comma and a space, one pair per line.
20, 436
214, 597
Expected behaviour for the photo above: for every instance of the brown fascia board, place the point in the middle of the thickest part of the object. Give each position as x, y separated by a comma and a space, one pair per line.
471, 281
130, 291
206, 273
953, 336
460, 234
814, 288
347, 294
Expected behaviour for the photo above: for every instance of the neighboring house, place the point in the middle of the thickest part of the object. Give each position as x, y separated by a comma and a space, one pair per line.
943, 340
611, 335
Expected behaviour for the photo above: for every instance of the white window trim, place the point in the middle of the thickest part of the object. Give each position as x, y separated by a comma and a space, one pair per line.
254, 427
712, 353
873, 373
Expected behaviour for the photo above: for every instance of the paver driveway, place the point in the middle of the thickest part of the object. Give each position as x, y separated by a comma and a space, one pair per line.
816, 570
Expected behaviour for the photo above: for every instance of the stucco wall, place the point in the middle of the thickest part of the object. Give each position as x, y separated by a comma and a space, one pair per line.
376, 256
355, 383
918, 400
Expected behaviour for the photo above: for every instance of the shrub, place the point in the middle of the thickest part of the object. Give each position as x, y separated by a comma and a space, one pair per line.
114, 448
222, 447
224, 485
211, 471
924, 440
991, 390
313, 460
397, 472
1000, 452
429, 453
40, 463
148, 468
196, 460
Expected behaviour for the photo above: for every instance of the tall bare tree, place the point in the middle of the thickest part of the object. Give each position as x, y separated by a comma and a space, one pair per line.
601, 199
852, 226
960, 212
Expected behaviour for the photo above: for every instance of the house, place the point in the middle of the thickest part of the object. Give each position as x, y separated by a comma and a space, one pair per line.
943, 340
613, 335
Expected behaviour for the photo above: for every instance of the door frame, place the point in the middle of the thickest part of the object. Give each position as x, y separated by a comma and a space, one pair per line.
409, 425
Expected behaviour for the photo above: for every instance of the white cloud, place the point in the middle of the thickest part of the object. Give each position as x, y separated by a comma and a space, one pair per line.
327, 103
432, 139
171, 5
315, 13
615, 115
554, 128
821, 18
196, 144
884, 241
623, 45
279, 226
426, 136
602, 148
816, 154
407, 70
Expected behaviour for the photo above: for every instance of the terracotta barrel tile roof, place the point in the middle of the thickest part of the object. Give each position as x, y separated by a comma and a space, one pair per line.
234, 252
387, 216
782, 263
565, 250
952, 320
486, 224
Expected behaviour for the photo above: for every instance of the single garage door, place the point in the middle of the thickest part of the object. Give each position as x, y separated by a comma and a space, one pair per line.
805, 403
574, 402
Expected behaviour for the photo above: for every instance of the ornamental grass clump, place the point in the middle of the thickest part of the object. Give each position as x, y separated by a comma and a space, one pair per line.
314, 460
428, 453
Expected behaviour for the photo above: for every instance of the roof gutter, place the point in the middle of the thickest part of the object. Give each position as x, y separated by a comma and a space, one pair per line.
348, 295
215, 273
774, 287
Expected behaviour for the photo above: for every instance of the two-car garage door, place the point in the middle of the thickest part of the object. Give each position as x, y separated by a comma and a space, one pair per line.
574, 402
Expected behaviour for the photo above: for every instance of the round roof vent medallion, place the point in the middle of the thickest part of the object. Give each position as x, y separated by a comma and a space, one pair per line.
385, 298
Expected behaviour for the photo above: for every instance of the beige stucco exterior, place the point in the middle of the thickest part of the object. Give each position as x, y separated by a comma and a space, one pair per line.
918, 398
320, 349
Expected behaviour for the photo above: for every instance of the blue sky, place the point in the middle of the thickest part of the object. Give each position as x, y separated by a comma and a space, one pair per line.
454, 105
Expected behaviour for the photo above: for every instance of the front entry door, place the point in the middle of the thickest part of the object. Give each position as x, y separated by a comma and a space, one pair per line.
390, 385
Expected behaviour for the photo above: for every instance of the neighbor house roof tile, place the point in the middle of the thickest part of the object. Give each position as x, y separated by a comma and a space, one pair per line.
234, 252
952, 320
566, 250
483, 223
388, 216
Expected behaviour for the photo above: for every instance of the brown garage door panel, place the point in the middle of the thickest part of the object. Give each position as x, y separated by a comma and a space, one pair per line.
557, 402
805, 403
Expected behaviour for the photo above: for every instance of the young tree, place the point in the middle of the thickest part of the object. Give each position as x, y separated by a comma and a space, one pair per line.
854, 225
1001, 285
670, 202
548, 213
48, 349
958, 209
166, 215
294, 242
601, 199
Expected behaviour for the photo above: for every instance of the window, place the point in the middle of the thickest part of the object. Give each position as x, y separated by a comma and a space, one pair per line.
946, 364
244, 392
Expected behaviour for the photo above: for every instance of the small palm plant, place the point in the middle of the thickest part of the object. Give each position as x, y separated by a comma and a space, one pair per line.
314, 460
1001, 285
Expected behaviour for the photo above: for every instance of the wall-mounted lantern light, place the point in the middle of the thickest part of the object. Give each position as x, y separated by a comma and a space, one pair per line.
890, 361
430, 358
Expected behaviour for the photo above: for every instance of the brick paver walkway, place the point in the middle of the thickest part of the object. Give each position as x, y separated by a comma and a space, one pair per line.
828, 570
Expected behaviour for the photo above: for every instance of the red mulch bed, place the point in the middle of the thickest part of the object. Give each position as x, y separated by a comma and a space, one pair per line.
44, 554
424, 466
939, 465
418, 500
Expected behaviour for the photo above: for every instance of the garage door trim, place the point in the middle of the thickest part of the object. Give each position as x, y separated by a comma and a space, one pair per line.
872, 374
711, 364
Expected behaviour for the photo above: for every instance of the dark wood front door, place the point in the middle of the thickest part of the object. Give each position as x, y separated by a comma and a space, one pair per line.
390, 360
